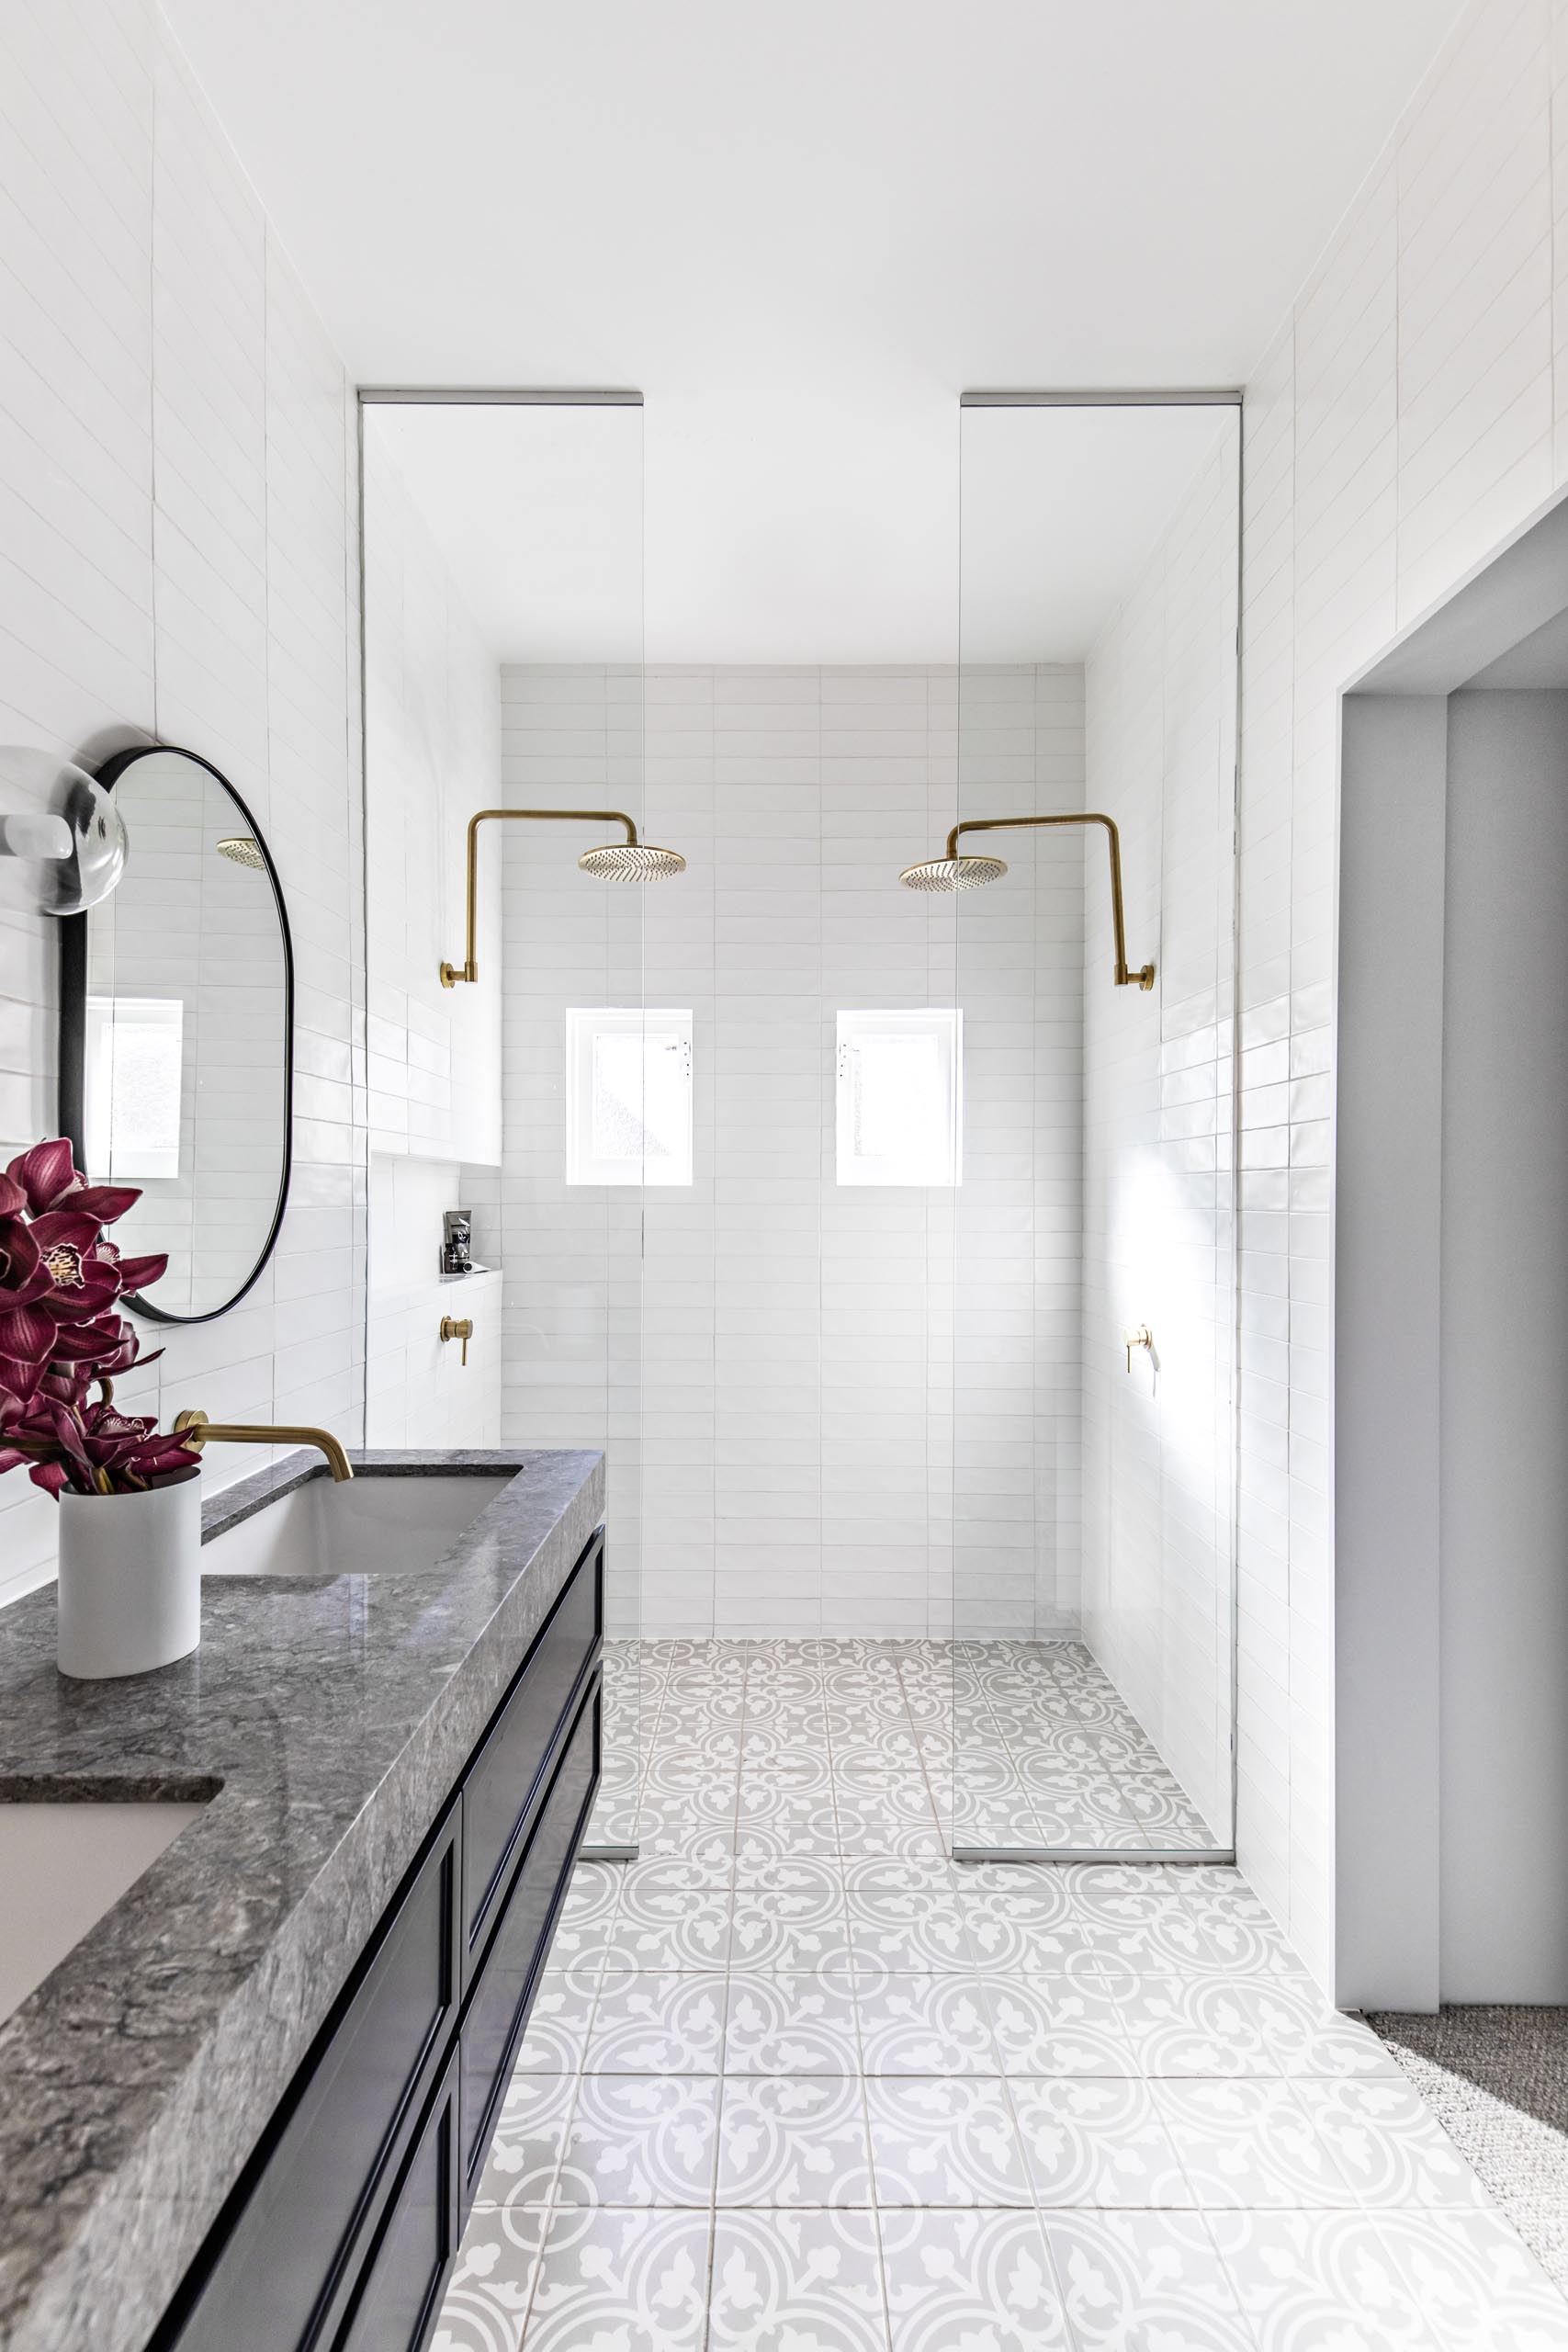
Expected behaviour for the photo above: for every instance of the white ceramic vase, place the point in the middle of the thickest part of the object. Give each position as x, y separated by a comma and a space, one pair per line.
129, 1595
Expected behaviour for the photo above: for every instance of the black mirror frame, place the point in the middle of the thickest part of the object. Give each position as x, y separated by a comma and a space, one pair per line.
74, 1028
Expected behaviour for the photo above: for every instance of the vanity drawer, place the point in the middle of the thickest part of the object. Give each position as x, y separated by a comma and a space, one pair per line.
506, 1778
498, 2008
320, 2180
401, 2292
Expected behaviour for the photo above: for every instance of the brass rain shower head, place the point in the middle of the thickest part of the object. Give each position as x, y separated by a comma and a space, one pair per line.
958, 871
953, 873
632, 862
242, 849
628, 861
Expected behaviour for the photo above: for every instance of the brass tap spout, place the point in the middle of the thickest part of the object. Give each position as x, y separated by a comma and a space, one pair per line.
196, 1430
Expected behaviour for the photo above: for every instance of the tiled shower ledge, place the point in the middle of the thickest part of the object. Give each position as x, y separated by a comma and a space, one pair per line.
795, 2087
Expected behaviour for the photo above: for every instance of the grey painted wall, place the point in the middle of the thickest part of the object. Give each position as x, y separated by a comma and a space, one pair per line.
1504, 1418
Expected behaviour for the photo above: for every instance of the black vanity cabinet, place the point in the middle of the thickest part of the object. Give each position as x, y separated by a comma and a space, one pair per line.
340, 2235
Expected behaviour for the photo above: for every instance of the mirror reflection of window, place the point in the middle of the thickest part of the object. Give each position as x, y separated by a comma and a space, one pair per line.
134, 1059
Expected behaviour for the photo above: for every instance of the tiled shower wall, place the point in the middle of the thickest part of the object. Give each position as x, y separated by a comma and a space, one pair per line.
177, 558
432, 757
797, 1346
1159, 1178
1411, 412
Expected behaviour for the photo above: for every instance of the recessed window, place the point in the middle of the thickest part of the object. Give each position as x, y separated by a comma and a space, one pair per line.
134, 1054
900, 1093
628, 1086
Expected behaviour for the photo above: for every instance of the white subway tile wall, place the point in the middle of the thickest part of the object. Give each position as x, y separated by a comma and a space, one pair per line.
1159, 1214
1410, 413
177, 480
795, 1360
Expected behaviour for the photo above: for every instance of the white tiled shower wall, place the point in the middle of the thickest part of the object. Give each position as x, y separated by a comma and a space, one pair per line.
1159, 1178
1411, 412
432, 757
795, 1349
177, 558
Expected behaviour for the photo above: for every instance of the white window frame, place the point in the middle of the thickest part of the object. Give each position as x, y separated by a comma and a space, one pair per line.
584, 1024
942, 1166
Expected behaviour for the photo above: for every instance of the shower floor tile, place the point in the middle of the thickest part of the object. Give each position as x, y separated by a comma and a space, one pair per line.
794, 2076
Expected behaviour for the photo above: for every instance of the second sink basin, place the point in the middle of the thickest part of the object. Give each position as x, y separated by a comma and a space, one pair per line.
368, 1526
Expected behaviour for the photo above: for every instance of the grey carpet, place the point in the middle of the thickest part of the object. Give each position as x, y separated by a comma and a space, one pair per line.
1497, 2081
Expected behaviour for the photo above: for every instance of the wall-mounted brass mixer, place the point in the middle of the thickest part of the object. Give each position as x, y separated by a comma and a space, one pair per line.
1137, 1335
193, 1428
454, 1327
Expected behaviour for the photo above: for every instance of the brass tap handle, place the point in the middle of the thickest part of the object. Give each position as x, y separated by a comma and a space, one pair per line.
1136, 1335
452, 1327
195, 1430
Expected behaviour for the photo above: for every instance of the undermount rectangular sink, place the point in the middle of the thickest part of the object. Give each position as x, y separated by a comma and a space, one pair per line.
62, 1865
367, 1526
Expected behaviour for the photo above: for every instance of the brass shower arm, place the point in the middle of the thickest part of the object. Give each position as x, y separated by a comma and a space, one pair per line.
468, 969
1145, 975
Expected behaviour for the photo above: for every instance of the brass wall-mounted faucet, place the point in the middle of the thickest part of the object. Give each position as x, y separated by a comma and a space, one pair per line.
455, 1327
196, 1430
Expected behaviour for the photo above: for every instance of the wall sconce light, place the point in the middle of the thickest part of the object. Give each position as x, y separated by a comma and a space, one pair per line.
59, 817
628, 861
954, 872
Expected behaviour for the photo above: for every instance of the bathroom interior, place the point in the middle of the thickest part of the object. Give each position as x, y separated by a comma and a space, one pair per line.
780, 1273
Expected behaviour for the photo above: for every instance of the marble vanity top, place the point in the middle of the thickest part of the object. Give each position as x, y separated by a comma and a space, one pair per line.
326, 1718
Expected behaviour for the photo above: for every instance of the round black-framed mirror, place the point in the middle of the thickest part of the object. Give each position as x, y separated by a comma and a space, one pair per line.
176, 1034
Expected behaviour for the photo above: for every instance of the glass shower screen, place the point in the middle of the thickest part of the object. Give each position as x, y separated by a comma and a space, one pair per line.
515, 1069
1094, 1325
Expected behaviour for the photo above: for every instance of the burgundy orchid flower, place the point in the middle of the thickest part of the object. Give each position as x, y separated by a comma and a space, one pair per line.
60, 1283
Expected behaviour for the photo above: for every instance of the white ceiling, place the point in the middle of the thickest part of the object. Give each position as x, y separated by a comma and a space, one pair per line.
801, 231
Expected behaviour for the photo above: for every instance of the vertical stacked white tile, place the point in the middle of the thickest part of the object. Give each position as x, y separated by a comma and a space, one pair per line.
1158, 1208
1407, 418
888, 742
570, 1254
1016, 1314
176, 561
432, 757
796, 1338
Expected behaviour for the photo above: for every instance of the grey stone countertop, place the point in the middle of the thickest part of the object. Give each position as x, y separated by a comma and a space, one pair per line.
326, 1718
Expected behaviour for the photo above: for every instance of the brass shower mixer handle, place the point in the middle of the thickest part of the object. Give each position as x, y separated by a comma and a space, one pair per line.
456, 1328
1137, 1335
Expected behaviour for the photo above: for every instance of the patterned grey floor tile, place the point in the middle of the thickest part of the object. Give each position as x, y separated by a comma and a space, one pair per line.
1057, 2024
641, 2140
792, 1935
492, 2281
930, 2024
1389, 2146
908, 1934
557, 2027
1477, 2286
669, 1934
791, 2024
1321, 2283
975, 2277
794, 2140
1097, 2141
657, 2025
1251, 2145
1145, 2282
945, 2140
524, 2155
797, 2282
635, 2281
